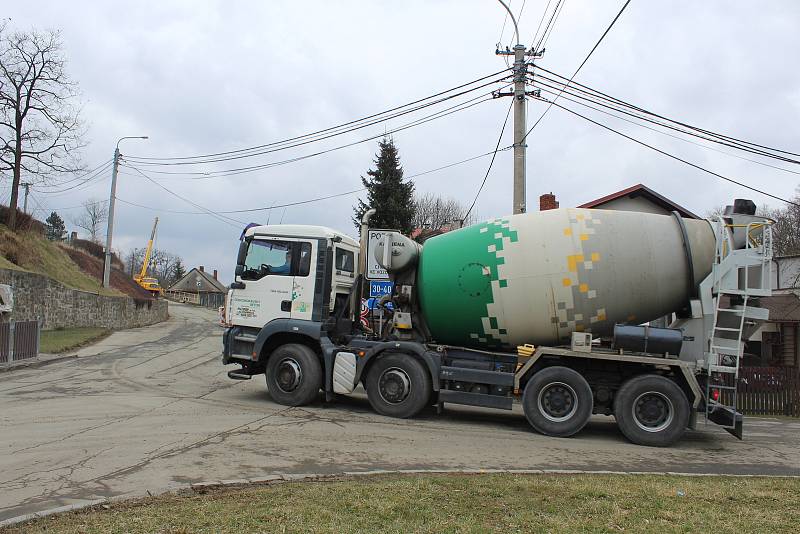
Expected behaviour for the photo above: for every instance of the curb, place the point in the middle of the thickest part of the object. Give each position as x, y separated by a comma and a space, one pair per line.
201, 487
34, 363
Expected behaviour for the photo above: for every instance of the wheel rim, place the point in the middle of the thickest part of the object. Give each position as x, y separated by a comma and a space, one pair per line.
653, 411
557, 402
394, 385
289, 374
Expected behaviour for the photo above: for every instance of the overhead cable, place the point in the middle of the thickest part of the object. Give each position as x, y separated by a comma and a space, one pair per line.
491, 163
337, 127
665, 153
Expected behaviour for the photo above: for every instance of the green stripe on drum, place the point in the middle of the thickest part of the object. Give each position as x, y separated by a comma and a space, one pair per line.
455, 278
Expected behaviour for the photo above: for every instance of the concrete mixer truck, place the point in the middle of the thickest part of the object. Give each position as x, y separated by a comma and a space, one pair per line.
551, 310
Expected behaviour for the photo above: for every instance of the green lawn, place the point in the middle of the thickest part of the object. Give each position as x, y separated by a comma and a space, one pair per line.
460, 503
55, 341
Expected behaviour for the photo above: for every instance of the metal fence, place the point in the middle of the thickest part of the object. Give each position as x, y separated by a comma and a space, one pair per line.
19, 340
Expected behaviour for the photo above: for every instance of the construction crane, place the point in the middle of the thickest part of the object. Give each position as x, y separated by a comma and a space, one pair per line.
149, 283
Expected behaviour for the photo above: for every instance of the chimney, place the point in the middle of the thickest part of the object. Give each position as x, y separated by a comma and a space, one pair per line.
215, 274
201, 269
548, 202
73, 236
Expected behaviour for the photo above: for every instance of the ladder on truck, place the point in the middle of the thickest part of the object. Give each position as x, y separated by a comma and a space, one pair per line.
739, 275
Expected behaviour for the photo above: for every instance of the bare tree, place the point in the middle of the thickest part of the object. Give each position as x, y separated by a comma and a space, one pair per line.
94, 214
434, 212
40, 132
162, 265
786, 231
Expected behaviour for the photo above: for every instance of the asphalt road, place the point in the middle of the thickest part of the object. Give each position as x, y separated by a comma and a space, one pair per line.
151, 408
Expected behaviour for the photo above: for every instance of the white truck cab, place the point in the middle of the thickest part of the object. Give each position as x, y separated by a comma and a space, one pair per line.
295, 272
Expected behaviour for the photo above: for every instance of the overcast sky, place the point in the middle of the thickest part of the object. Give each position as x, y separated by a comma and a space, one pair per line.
205, 76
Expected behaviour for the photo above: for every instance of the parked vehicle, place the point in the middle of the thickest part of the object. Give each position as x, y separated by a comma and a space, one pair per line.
548, 309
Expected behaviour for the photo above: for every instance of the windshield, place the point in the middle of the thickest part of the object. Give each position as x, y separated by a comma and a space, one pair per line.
267, 257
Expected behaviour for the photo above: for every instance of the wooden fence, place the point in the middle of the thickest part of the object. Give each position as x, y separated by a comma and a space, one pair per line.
769, 391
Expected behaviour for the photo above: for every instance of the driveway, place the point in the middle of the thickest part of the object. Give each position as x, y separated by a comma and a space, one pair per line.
151, 408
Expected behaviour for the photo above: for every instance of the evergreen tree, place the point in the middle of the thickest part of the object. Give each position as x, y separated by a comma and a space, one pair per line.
178, 271
387, 192
55, 229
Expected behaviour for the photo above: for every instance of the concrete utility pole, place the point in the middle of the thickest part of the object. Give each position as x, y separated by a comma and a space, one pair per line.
110, 230
520, 70
27, 187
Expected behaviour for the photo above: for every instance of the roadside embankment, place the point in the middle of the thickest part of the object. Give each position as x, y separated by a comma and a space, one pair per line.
59, 306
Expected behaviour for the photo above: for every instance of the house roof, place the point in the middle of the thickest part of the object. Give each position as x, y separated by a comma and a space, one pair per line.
641, 190
782, 308
197, 281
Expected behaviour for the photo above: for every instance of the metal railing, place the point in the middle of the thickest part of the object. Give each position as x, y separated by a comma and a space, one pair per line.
19, 340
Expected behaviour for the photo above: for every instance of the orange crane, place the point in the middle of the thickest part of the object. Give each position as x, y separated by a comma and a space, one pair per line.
149, 283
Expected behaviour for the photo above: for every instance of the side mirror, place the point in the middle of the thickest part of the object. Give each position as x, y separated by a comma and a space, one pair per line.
242, 255
239, 269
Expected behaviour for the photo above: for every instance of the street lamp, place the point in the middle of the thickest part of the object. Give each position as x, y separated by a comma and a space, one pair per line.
110, 230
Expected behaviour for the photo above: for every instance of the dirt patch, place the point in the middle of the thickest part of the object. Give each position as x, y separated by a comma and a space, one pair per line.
120, 280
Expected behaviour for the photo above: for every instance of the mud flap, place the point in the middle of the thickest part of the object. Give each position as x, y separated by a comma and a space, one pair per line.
730, 419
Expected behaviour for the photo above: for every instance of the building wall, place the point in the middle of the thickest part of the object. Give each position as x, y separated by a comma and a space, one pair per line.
786, 273
38, 296
639, 204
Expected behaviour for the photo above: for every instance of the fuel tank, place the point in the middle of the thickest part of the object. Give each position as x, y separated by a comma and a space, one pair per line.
538, 277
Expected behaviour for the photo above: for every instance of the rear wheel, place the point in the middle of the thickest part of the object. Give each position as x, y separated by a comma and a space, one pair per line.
294, 375
557, 401
651, 410
398, 385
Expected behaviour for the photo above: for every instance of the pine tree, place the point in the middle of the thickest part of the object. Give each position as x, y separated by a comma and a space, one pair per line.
387, 192
55, 229
178, 271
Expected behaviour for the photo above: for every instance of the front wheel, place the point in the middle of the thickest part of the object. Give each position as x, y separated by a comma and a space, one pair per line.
651, 410
398, 385
294, 375
557, 402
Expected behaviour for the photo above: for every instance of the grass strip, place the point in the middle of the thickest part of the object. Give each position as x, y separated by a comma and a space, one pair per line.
62, 340
459, 503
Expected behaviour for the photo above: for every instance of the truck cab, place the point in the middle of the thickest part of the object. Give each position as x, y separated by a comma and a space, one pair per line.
289, 279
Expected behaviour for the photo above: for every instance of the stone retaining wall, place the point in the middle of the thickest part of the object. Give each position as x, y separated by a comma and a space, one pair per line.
39, 296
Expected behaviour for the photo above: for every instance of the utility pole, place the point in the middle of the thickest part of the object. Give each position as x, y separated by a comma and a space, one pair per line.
27, 187
110, 229
520, 70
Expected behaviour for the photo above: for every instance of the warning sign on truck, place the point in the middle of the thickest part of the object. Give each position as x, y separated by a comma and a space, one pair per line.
374, 270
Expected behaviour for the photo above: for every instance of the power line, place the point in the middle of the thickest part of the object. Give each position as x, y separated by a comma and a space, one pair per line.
584, 104
241, 170
317, 139
339, 126
651, 147
225, 219
80, 186
716, 138
308, 201
611, 102
550, 25
491, 163
544, 14
580, 66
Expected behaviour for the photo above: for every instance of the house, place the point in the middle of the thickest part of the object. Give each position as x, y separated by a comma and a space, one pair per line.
640, 198
199, 287
776, 342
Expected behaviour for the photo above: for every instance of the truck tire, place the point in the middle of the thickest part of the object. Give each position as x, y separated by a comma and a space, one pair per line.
557, 401
651, 410
398, 385
294, 375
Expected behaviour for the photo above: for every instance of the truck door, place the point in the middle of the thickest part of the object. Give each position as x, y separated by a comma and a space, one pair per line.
268, 279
